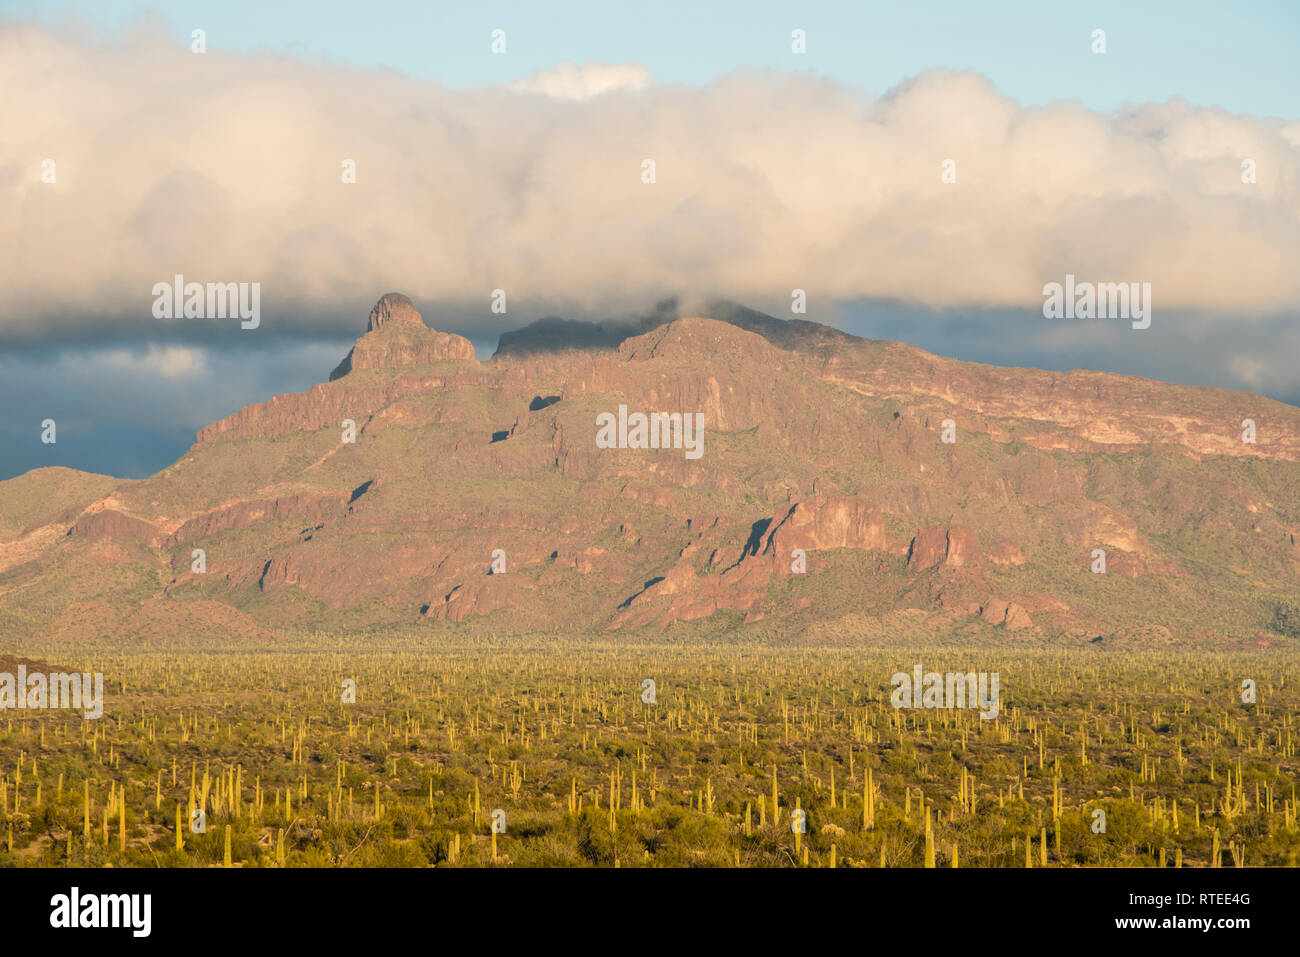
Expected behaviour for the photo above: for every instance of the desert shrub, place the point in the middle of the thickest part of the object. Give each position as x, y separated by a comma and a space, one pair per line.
1286, 619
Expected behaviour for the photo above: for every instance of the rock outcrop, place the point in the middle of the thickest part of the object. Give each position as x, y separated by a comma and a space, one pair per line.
393, 306
397, 337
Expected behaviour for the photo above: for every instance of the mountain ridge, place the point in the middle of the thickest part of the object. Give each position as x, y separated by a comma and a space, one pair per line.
834, 448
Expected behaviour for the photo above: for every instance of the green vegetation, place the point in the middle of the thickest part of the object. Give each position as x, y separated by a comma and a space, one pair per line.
1286, 619
555, 734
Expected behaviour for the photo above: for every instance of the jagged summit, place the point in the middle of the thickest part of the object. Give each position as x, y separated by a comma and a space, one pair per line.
397, 336
393, 306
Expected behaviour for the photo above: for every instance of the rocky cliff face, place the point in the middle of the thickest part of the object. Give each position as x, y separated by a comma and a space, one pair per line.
396, 337
392, 306
474, 495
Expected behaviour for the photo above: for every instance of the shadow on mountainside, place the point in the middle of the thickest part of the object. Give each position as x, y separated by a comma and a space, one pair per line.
553, 334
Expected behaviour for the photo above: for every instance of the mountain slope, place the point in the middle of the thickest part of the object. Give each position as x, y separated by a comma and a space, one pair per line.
813, 440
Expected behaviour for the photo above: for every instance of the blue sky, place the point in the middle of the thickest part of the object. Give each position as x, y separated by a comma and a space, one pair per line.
1239, 56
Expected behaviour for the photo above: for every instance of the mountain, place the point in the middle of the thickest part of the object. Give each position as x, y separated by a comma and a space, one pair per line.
814, 442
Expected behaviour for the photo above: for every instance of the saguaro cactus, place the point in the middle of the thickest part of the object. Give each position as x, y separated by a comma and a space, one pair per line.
929, 840
868, 802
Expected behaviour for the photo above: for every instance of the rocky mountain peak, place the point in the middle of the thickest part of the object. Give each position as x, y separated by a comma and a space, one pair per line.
397, 337
393, 306
694, 338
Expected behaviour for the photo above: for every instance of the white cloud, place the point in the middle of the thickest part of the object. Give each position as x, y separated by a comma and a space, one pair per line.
167, 362
565, 81
227, 168
1254, 373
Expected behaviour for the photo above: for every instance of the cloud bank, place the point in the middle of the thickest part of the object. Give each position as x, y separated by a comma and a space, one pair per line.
225, 167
